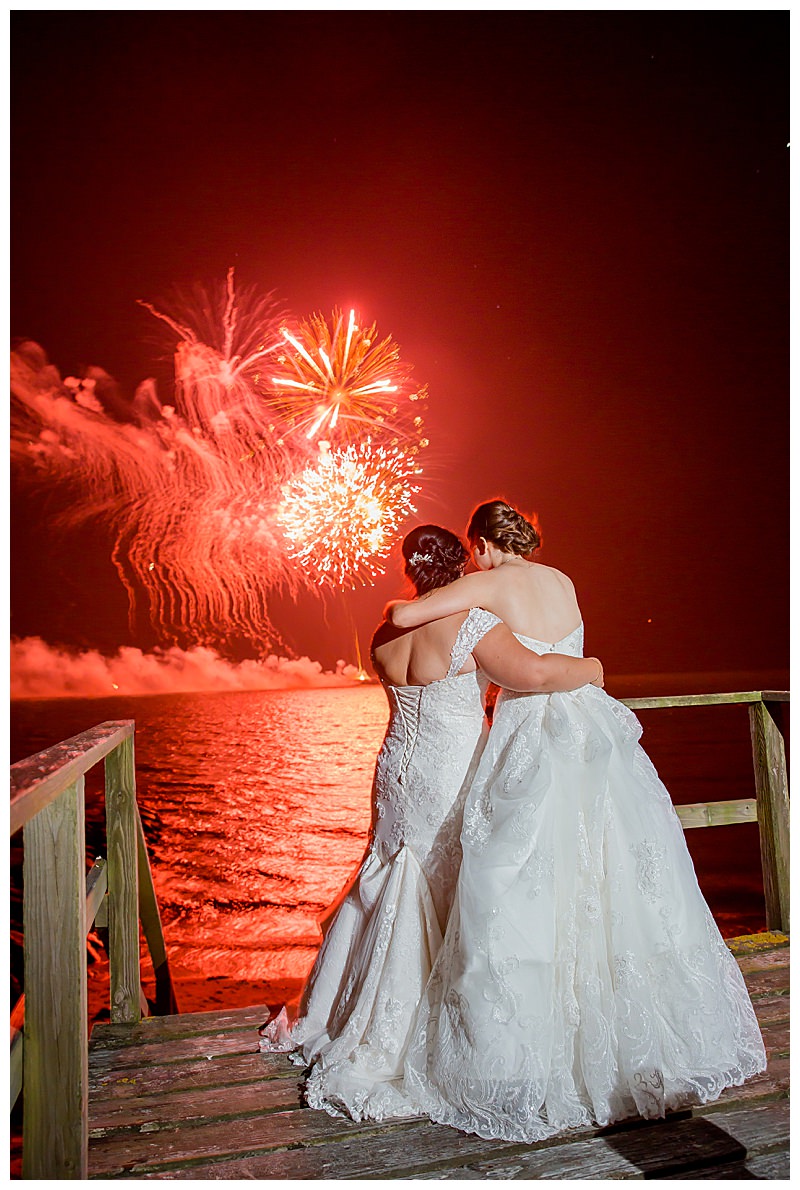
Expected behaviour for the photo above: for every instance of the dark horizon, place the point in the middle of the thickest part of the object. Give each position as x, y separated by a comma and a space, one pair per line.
575, 224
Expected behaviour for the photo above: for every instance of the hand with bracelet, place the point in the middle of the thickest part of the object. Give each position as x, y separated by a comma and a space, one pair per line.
600, 679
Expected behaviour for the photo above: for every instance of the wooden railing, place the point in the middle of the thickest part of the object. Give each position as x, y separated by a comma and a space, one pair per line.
61, 903
769, 808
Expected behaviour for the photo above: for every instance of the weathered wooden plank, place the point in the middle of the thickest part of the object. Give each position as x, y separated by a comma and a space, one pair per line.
777, 1039
123, 883
717, 813
106, 1058
761, 1165
750, 944
168, 1052
776, 695
429, 1152
757, 1127
166, 1000
184, 1024
769, 1165
769, 982
660, 1148
772, 793
399, 1152
691, 700
762, 960
152, 1110
185, 1076
175, 1146
769, 1009
96, 885
38, 779
54, 907
584, 1160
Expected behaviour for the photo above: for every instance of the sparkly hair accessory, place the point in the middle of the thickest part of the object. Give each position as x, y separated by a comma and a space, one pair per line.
416, 558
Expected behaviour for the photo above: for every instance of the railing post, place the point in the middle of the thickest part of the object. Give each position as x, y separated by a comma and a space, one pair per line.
55, 1119
772, 800
123, 884
166, 1003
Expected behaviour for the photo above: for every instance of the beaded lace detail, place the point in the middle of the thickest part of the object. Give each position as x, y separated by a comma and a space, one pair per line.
474, 628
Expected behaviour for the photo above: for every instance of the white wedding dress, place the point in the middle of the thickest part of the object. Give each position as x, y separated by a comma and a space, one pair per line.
582, 978
382, 935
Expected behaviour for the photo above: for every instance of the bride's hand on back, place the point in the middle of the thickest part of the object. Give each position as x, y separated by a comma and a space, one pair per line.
390, 609
393, 612
600, 679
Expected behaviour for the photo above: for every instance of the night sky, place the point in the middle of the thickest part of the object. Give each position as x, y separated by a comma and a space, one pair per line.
575, 224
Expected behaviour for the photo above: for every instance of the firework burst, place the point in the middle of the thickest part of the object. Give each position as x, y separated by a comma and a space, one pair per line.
341, 516
334, 381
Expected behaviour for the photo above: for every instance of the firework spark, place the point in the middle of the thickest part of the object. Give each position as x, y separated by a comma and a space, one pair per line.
336, 381
341, 516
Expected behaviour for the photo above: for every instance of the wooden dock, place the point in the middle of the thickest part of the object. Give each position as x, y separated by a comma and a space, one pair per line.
190, 1097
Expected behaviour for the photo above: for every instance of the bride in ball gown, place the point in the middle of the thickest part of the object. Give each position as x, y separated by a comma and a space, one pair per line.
582, 978
383, 934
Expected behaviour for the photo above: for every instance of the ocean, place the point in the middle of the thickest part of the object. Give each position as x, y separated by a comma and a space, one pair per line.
256, 807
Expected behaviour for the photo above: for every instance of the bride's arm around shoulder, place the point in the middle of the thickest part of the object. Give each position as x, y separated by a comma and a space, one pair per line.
470, 591
509, 664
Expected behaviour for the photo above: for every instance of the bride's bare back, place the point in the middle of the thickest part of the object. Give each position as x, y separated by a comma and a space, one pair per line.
419, 657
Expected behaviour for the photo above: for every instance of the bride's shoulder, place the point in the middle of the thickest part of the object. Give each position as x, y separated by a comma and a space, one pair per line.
555, 577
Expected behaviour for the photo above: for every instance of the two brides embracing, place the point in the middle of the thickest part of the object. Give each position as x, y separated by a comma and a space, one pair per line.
524, 948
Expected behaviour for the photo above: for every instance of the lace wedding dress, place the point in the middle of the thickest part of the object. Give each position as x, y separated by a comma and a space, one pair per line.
582, 978
382, 935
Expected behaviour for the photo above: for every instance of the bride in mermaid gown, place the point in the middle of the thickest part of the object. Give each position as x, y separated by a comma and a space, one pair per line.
582, 978
384, 932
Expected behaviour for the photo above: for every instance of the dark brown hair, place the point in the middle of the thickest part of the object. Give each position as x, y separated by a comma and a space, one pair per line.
434, 557
506, 528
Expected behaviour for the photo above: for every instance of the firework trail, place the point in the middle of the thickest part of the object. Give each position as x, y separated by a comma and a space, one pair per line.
187, 488
203, 495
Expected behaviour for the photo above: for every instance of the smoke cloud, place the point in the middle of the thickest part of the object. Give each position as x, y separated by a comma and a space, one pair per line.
40, 670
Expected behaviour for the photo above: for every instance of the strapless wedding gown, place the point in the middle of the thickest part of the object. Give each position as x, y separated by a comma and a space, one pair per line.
383, 933
582, 978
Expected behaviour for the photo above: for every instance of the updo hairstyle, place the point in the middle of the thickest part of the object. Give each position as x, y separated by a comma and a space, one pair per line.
506, 528
434, 557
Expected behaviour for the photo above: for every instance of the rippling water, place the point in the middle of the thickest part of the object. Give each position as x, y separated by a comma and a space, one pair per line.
256, 807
